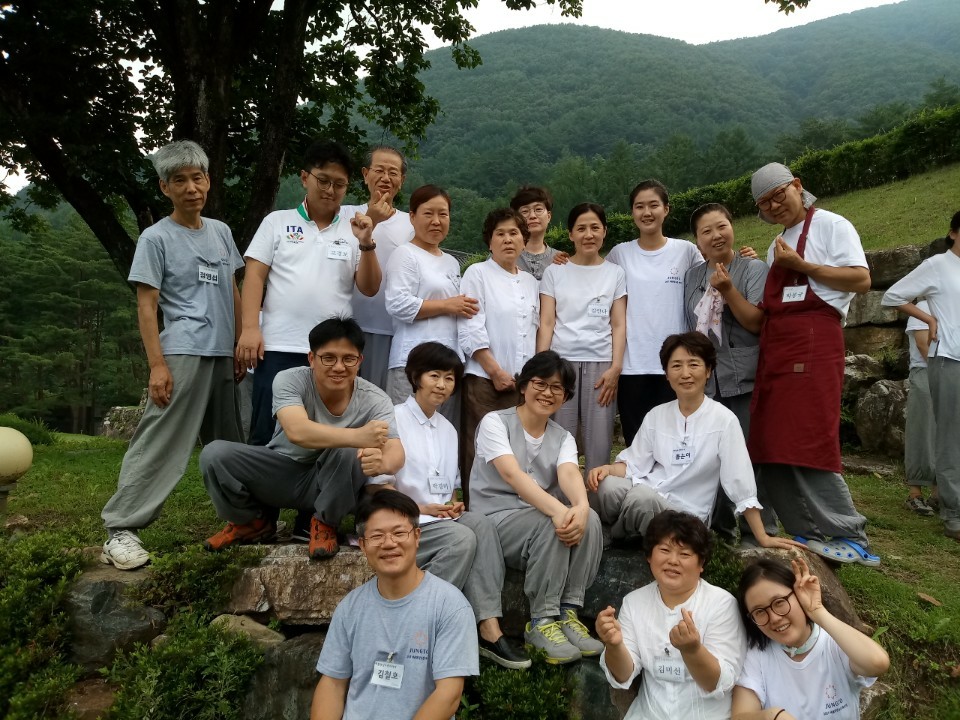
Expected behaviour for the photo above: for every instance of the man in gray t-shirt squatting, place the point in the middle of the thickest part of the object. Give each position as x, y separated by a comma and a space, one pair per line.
333, 431
400, 645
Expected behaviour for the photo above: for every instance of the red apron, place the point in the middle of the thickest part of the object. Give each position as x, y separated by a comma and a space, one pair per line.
795, 410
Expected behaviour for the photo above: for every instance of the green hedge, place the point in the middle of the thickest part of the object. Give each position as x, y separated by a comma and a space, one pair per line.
34, 430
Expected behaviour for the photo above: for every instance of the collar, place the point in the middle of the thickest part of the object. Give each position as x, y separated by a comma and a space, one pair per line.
807, 646
418, 414
303, 211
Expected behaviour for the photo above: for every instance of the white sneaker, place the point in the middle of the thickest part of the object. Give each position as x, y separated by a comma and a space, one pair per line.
124, 551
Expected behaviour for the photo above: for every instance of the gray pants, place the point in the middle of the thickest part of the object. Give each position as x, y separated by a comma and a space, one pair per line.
466, 553
244, 480
626, 507
399, 389
204, 403
582, 412
554, 573
944, 375
815, 504
376, 353
920, 436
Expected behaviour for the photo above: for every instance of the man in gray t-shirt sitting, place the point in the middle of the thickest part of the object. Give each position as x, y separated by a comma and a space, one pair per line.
334, 430
400, 645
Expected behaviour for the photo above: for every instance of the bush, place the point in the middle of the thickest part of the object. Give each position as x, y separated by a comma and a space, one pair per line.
543, 692
36, 432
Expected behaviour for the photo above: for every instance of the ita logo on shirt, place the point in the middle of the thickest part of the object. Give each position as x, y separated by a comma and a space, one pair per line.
294, 234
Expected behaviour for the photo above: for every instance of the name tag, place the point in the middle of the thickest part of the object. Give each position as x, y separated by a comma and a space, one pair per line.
338, 251
388, 674
440, 485
795, 293
209, 275
596, 309
670, 669
682, 455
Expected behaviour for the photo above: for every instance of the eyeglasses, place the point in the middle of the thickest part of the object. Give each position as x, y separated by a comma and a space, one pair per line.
378, 539
777, 198
391, 173
779, 607
539, 210
325, 183
331, 360
542, 386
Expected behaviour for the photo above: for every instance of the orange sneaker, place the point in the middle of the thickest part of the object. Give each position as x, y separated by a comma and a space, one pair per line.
323, 540
234, 534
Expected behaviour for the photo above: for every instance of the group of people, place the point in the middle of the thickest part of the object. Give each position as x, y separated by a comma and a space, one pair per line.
450, 409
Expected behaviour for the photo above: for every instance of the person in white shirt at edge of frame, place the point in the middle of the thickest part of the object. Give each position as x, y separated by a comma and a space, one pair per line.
527, 481
684, 451
535, 205
400, 645
682, 633
583, 310
802, 663
457, 546
502, 336
423, 294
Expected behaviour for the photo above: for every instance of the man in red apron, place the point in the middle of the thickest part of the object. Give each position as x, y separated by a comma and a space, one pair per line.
817, 265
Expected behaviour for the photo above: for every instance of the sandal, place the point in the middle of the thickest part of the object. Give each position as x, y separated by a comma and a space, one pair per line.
842, 550
918, 505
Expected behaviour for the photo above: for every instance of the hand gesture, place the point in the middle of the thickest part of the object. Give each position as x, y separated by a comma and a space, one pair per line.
373, 434
607, 385
785, 256
160, 385
435, 509
249, 347
502, 380
561, 258
371, 461
721, 279
608, 627
748, 252
684, 636
806, 586
571, 524
362, 227
595, 476
455, 509
462, 306
380, 209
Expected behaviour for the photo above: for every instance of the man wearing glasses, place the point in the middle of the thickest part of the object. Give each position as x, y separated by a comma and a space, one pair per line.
334, 430
308, 261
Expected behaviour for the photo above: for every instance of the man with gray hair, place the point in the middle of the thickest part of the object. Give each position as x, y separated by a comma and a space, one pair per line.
184, 265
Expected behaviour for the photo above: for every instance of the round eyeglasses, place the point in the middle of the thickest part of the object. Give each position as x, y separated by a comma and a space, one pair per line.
779, 607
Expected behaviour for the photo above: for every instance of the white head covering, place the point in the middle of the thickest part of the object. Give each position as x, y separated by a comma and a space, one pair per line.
770, 176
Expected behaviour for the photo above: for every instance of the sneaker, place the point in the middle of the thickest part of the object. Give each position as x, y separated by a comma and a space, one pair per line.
578, 635
323, 540
301, 527
233, 534
550, 638
505, 654
934, 503
919, 506
124, 551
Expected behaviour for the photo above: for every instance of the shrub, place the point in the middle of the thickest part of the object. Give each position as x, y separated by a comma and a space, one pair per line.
36, 432
543, 692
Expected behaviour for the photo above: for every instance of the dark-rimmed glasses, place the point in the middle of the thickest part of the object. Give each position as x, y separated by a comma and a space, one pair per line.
331, 360
779, 607
378, 539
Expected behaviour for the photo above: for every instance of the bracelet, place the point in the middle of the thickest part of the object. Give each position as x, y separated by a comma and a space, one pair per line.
368, 248
779, 713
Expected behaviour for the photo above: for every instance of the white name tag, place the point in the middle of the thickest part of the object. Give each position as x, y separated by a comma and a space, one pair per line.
209, 275
596, 309
682, 455
387, 674
794, 293
440, 485
670, 669
339, 251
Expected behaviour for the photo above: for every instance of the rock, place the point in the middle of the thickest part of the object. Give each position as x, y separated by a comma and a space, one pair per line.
17, 523
874, 700
865, 309
593, 696
102, 622
260, 635
288, 586
90, 699
888, 266
863, 465
874, 339
881, 416
159, 640
859, 373
283, 686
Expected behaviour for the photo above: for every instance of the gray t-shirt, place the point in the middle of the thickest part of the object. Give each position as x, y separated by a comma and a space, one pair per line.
431, 632
193, 270
537, 264
296, 387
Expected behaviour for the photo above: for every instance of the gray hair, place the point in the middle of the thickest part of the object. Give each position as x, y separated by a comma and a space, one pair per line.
368, 160
178, 155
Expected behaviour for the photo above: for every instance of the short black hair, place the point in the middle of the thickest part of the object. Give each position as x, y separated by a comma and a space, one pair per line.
705, 210
544, 365
658, 187
695, 343
681, 527
336, 329
392, 500
763, 569
954, 228
429, 356
499, 215
323, 152
529, 194
582, 209
426, 193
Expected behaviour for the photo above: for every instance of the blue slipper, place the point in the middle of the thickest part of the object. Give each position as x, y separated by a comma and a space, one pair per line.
841, 550
863, 557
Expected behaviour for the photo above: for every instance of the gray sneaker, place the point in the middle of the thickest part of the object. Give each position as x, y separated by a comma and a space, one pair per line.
550, 638
578, 635
124, 551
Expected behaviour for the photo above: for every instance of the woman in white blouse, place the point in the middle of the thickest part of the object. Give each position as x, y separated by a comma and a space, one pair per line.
422, 291
583, 310
502, 335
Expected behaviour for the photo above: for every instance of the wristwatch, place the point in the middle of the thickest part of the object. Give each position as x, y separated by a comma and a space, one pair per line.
368, 248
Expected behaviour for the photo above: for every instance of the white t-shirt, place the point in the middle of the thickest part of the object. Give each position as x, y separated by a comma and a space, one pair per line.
655, 299
913, 325
684, 459
311, 275
371, 312
414, 275
508, 318
493, 442
431, 471
832, 240
646, 624
584, 296
821, 686
938, 280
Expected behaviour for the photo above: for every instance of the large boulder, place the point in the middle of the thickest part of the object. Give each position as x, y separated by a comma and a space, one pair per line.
874, 339
260, 635
282, 688
881, 416
888, 266
859, 373
121, 421
865, 309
